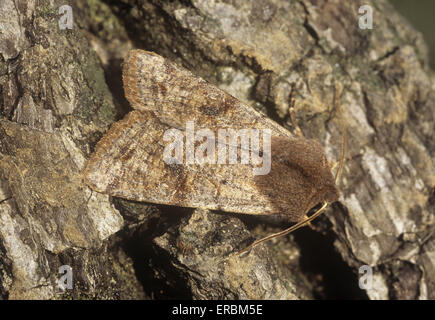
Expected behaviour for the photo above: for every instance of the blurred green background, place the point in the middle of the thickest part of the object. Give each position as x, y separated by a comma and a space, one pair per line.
421, 14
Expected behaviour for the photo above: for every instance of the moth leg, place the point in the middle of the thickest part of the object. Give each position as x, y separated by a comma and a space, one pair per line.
291, 111
334, 165
288, 230
308, 223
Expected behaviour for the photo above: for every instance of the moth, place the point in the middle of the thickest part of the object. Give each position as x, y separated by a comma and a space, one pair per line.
129, 161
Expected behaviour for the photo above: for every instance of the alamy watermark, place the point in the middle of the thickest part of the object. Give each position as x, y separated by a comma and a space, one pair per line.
366, 20
66, 20
366, 280
202, 147
66, 279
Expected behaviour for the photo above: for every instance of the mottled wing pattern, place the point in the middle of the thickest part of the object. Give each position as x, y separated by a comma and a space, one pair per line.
128, 160
176, 96
128, 163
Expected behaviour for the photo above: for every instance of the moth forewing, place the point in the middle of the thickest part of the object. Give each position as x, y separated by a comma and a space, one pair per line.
129, 161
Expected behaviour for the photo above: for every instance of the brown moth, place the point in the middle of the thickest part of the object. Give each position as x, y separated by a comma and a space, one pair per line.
128, 160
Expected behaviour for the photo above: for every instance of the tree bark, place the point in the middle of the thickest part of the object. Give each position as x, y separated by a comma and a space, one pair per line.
61, 90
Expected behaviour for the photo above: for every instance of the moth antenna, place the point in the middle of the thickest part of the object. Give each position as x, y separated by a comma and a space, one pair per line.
343, 153
288, 230
292, 114
337, 106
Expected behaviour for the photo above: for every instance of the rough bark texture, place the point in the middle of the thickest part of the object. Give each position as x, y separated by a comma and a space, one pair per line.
60, 90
